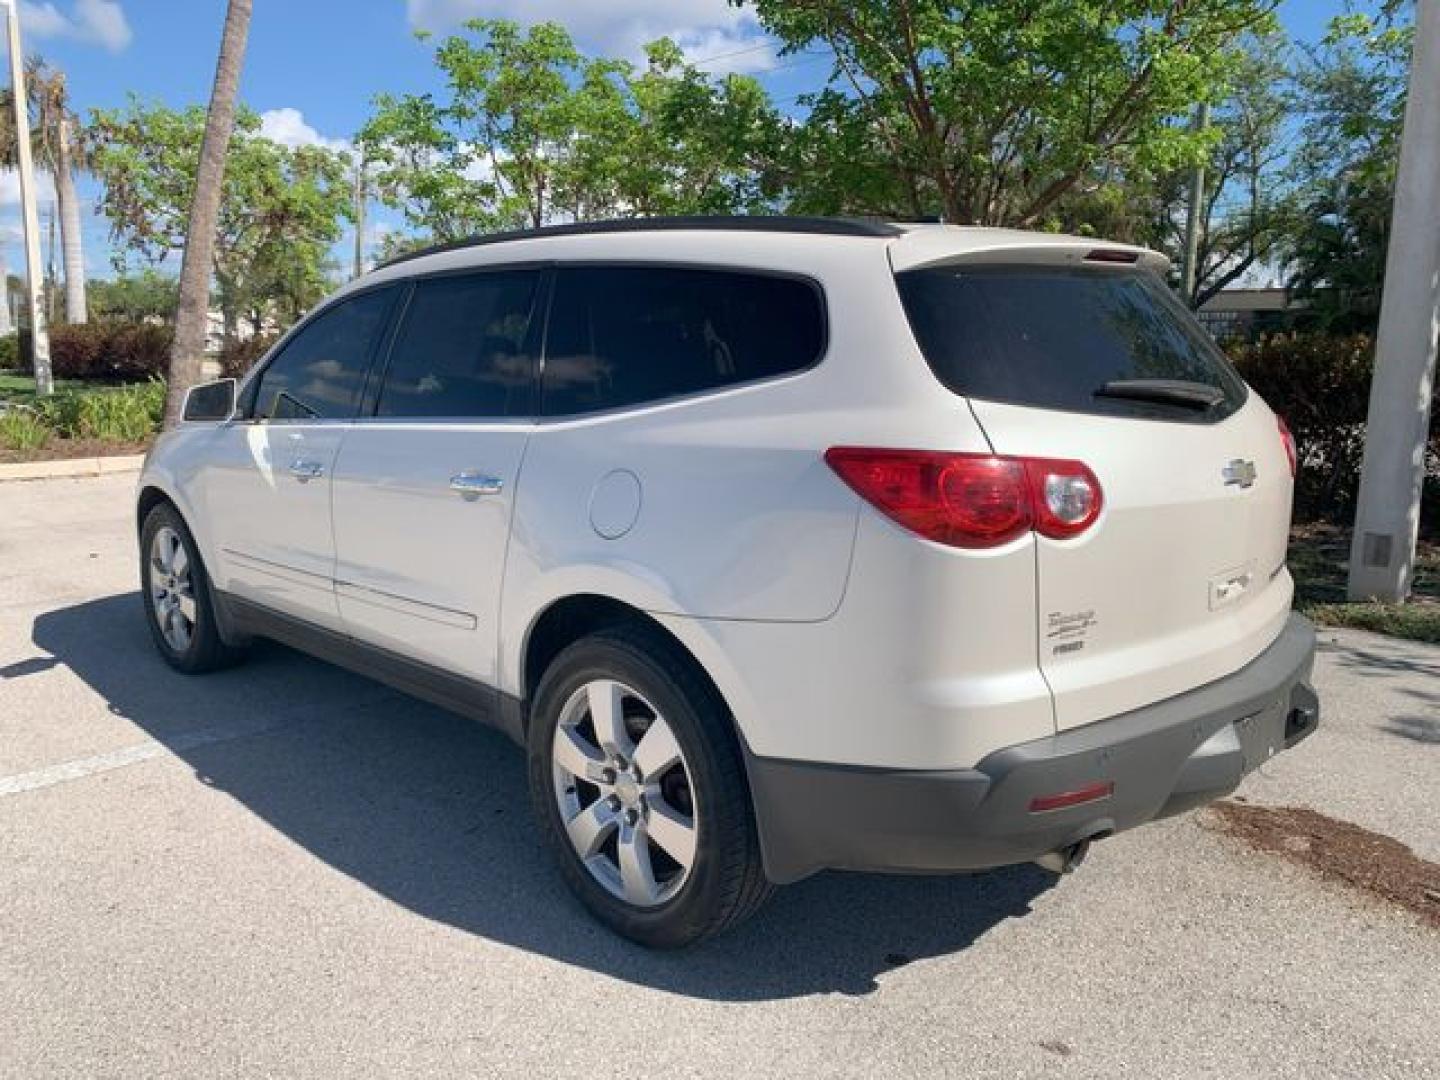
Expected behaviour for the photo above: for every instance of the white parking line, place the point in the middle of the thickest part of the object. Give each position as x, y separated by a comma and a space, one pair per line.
80, 768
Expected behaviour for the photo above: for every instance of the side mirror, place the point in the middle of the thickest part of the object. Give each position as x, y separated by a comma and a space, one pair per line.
210, 401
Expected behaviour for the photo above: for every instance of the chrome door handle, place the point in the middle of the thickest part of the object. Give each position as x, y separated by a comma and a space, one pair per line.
471, 484
306, 470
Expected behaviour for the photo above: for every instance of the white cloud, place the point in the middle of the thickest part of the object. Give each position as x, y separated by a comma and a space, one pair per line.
289, 128
10, 188
703, 28
94, 22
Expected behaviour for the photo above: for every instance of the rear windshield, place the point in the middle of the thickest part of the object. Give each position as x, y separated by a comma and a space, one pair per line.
1094, 341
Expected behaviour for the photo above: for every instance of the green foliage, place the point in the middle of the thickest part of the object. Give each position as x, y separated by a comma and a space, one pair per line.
282, 208
128, 414
995, 113
10, 356
1354, 88
148, 294
239, 356
1321, 385
22, 431
110, 350
531, 132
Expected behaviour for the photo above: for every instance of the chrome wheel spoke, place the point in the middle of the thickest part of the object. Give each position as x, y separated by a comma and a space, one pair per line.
577, 757
607, 715
186, 606
590, 826
637, 877
656, 751
673, 833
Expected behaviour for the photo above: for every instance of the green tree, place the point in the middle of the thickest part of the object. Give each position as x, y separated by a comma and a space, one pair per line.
1250, 210
532, 132
1353, 87
281, 210
996, 113
138, 297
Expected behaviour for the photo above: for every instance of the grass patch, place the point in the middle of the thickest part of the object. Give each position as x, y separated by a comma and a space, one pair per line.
20, 389
1319, 561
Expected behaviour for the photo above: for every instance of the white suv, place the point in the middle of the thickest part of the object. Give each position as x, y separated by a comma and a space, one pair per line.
779, 544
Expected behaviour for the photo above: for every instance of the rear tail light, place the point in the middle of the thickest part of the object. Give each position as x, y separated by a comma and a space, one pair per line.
972, 500
1289, 441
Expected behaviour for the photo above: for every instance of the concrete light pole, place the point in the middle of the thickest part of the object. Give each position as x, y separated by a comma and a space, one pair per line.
1387, 520
39, 338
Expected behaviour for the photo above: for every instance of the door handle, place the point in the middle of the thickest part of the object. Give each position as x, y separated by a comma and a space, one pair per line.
306, 470
471, 484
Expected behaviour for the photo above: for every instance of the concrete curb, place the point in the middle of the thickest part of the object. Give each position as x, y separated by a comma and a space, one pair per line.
71, 467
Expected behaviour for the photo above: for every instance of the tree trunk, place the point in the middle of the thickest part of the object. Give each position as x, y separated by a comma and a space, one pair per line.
71, 246
191, 316
7, 326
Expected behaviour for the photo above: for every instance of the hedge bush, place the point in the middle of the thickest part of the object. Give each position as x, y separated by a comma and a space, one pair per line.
1320, 384
239, 356
110, 350
10, 354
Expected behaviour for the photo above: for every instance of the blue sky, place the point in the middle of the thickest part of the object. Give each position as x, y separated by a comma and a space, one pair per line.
313, 65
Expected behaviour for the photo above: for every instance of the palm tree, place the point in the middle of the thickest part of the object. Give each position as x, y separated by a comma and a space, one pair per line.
60, 154
192, 312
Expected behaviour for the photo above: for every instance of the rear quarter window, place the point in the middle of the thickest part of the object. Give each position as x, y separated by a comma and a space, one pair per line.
628, 335
1052, 337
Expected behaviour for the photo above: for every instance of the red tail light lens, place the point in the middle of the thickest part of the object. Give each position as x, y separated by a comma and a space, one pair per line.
1289, 441
971, 500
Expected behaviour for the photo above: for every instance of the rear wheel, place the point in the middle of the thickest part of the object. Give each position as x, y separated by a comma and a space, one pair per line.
637, 780
176, 591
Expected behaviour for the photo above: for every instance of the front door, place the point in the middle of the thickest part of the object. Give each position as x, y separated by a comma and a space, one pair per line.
265, 487
424, 487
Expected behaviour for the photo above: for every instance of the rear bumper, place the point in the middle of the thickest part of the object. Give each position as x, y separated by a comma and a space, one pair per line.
1162, 759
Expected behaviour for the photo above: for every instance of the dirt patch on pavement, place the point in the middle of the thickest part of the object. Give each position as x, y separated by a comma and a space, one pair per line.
1375, 864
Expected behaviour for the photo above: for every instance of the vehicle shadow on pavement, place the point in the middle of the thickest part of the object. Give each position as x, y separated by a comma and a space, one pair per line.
431, 811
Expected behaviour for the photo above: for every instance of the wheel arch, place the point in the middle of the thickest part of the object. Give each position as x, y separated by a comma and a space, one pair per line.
567, 619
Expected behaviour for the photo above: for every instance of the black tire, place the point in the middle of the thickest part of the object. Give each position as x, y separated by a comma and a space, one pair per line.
726, 882
205, 650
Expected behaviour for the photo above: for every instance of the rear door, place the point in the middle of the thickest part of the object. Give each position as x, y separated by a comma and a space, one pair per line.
1182, 580
425, 486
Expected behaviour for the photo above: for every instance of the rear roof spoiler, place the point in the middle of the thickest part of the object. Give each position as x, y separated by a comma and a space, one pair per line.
942, 245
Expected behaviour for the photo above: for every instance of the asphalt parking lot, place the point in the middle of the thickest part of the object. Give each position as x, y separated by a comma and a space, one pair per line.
289, 870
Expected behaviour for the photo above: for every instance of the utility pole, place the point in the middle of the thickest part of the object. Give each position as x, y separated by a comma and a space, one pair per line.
361, 197
1189, 270
1387, 519
39, 339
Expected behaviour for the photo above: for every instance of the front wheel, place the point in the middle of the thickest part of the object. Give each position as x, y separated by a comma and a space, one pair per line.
639, 786
176, 590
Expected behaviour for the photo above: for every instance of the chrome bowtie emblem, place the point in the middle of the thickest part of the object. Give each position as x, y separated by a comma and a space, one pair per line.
1240, 473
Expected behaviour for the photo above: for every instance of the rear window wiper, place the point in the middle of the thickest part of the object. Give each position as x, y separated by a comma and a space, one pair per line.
1182, 392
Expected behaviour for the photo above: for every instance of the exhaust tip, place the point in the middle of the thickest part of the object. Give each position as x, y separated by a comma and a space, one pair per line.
1064, 860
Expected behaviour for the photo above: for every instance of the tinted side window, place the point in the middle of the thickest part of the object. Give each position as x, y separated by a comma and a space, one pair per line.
463, 350
1052, 337
320, 372
627, 335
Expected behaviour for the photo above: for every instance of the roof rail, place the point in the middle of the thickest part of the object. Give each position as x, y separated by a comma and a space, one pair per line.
824, 226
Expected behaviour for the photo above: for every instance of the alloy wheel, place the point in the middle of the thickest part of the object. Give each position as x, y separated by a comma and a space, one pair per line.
172, 589
624, 792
